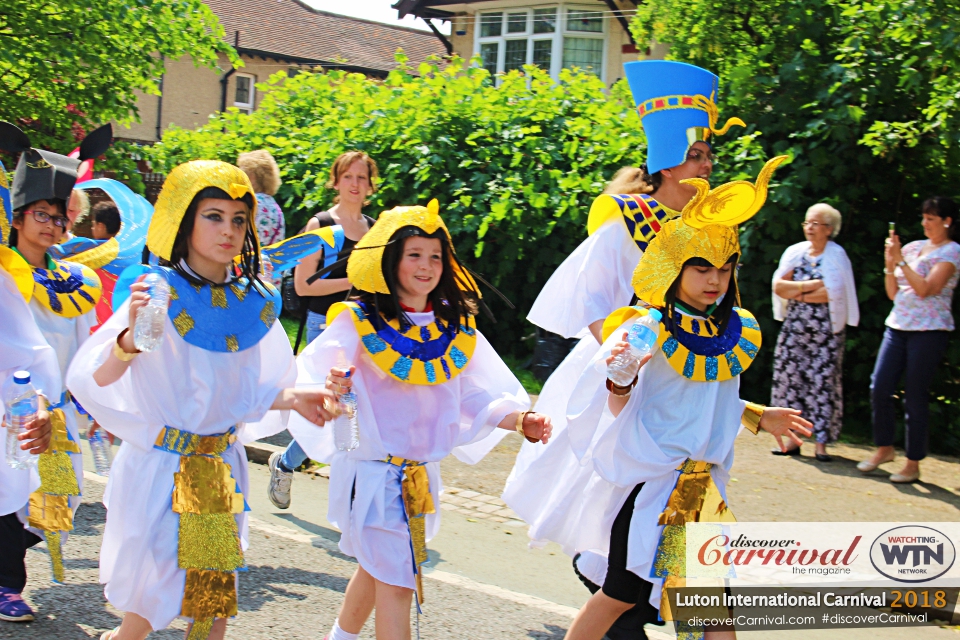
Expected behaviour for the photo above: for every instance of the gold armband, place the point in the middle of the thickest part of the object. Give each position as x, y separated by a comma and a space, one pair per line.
752, 413
118, 351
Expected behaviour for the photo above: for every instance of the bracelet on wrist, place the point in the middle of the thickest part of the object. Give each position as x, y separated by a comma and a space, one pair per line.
122, 354
752, 413
619, 391
519, 426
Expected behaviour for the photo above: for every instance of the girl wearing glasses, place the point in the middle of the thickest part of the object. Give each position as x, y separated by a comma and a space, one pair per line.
62, 297
815, 297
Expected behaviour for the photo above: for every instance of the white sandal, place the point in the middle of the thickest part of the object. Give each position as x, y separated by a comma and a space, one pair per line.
110, 635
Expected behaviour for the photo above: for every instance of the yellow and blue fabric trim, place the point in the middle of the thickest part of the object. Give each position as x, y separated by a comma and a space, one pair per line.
417, 503
18, 268
225, 318
641, 213
286, 254
49, 508
69, 289
206, 496
695, 498
6, 207
426, 355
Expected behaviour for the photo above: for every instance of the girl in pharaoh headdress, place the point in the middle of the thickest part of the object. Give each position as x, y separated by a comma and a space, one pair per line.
678, 418
428, 383
176, 521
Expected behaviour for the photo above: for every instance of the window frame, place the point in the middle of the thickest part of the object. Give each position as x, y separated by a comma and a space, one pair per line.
556, 38
245, 107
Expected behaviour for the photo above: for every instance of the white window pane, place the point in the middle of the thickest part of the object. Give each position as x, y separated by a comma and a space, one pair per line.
517, 22
586, 53
585, 21
243, 90
544, 20
491, 25
515, 55
542, 53
488, 53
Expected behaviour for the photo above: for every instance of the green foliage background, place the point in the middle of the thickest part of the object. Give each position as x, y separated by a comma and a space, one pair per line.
68, 66
515, 167
864, 97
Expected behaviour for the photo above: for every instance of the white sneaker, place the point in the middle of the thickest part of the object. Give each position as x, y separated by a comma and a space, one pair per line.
280, 481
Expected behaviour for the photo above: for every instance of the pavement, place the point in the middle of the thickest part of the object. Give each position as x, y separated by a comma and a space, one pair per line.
483, 580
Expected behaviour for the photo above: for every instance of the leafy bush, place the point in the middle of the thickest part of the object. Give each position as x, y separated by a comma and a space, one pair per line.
864, 97
515, 166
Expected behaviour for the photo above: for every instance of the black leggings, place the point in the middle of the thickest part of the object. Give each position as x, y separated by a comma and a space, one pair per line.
14, 542
624, 585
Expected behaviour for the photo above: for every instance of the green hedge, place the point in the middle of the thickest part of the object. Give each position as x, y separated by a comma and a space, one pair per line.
515, 166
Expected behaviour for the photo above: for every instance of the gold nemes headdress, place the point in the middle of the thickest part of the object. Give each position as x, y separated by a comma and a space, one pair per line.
179, 189
365, 266
706, 229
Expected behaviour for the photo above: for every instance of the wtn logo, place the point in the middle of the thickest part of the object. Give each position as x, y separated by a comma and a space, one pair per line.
912, 554
897, 554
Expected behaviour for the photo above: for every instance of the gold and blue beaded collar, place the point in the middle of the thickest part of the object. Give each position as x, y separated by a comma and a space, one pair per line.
67, 289
225, 318
427, 355
696, 350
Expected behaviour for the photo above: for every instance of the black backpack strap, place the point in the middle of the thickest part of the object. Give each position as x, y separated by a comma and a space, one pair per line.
303, 323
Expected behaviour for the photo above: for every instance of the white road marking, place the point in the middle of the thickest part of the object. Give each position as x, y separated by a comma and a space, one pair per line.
444, 576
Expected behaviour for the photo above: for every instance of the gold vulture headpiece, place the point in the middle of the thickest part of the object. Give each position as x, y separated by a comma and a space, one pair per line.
179, 189
707, 228
365, 265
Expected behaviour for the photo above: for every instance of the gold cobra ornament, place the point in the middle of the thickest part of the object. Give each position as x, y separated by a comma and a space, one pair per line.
729, 204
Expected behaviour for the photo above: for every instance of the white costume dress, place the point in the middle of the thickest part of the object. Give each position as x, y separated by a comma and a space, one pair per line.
415, 422
667, 420
186, 387
22, 346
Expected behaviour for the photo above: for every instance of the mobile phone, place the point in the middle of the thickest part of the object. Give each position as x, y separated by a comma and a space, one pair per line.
893, 226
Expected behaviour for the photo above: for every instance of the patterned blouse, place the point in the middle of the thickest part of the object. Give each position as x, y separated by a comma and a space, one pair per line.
911, 312
270, 225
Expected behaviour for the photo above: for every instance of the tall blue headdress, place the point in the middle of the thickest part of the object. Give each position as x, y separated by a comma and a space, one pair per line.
6, 208
676, 104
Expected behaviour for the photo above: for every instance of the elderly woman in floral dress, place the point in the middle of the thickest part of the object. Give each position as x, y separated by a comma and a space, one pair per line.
815, 296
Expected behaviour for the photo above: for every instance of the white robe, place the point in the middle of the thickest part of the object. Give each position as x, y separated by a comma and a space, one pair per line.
65, 336
22, 346
416, 422
667, 420
593, 282
185, 387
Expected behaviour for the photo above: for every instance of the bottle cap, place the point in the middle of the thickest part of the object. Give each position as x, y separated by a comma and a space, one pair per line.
347, 374
21, 377
655, 314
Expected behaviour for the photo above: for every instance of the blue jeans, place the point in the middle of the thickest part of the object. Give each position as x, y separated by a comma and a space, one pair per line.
316, 323
916, 353
294, 456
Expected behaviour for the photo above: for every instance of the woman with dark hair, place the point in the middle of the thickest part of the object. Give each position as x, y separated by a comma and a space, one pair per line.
920, 278
428, 383
169, 548
663, 458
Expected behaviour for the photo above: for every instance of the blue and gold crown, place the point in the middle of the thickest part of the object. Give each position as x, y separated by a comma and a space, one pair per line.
676, 104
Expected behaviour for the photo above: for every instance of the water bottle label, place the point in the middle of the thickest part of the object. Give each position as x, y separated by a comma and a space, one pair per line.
642, 336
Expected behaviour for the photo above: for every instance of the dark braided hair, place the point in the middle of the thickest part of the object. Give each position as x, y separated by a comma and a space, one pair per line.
249, 266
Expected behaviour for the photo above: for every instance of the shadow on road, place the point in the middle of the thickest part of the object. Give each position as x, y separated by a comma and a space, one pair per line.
552, 632
265, 584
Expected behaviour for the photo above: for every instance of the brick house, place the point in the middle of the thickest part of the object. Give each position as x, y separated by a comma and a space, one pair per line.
271, 36
591, 34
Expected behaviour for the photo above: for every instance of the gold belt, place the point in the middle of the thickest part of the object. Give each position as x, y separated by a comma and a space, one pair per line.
695, 498
417, 502
49, 508
206, 496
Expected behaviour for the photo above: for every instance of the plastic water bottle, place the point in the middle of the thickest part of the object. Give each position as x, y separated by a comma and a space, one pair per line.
346, 430
148, 330
642, 338
102, 451
21, 402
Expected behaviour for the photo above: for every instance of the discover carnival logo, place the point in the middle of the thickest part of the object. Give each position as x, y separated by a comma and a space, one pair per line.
912, 553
